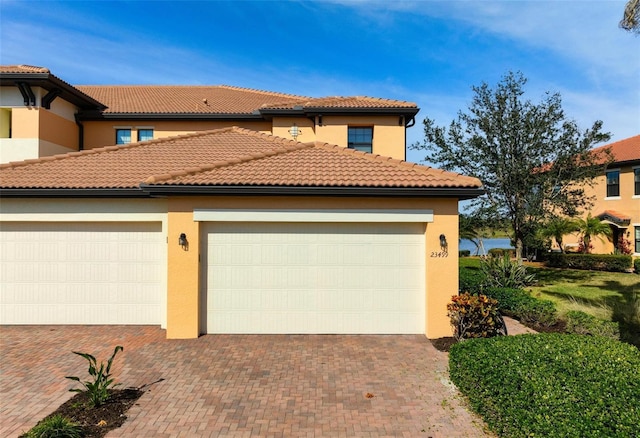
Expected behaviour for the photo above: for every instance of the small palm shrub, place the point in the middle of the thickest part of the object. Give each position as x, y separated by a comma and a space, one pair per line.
55, 426
504, 272
475, 316
97, 388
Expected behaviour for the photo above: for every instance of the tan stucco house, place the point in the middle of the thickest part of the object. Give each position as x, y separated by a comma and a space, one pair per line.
206, 228
616, 194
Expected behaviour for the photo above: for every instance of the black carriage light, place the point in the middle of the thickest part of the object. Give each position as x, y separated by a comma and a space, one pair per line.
443, 242
183, 242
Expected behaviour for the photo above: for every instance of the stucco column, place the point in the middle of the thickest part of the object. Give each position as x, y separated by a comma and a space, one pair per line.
183, 282
441, 270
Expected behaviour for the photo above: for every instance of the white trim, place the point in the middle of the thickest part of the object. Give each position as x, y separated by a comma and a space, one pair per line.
237, 215
613, 198
42, 210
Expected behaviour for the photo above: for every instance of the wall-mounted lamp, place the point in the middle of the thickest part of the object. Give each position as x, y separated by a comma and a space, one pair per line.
443, 242
183, 242
295, 131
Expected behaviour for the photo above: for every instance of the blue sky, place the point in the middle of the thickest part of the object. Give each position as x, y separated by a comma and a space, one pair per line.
428, 52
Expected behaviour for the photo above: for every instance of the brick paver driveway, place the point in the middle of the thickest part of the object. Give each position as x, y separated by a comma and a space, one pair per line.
235, 385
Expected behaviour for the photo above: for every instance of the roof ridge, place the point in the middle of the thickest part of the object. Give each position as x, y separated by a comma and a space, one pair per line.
257, 90
16, 164
287, 147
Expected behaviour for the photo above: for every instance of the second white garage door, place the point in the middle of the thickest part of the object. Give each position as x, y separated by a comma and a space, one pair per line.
315, 278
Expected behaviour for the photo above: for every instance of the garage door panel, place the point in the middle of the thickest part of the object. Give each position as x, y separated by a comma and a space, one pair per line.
81, 273
314, 278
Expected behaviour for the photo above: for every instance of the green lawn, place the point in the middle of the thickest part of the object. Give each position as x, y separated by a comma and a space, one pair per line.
611, 296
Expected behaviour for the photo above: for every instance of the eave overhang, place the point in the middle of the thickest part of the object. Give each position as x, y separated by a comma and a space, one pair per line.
149, 190
53, 84
322, 111
411, 192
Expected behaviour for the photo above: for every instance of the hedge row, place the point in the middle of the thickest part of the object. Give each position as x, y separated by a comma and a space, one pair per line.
551, 384
591, 262
636, 265
519, 304
584, 324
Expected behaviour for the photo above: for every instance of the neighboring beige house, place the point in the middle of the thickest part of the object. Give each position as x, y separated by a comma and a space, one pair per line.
617, 197
231, 229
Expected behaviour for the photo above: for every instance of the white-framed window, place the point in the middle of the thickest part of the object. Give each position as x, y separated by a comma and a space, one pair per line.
613, 183
360, 138
636, 181
636, 242
145, 134
123, 135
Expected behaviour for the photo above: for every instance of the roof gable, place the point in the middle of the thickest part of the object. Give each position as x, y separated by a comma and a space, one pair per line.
229, 157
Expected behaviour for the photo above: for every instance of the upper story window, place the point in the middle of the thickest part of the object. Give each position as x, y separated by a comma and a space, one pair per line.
361, 138
636, 179
613, 183
123, 135
145, 134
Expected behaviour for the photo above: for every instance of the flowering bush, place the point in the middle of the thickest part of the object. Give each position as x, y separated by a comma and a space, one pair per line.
475, 316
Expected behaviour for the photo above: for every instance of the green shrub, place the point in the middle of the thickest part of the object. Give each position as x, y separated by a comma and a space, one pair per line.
504, 272
636, 265
519, 304
464, 253
591, 262
551, 385
475, 316
501, 252
584, 324
98, 388
471, 280
55, 426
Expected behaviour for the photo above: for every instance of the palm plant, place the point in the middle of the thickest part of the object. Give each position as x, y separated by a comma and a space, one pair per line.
467, 230
557, 228
592, 227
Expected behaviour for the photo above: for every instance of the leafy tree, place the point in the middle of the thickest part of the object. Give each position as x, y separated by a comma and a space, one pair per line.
557, 228
631, 18
532, 159
591, 227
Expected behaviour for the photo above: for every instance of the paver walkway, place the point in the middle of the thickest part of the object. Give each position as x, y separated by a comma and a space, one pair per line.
235, 385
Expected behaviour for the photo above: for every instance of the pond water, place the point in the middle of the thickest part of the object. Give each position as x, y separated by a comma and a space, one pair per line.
496, 242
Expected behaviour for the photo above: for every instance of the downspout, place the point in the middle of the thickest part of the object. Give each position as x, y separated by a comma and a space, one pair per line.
80, 132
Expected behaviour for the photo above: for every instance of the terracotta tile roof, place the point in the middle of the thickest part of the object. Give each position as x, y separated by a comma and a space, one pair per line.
623, 150
224, 157
182, 99
359, 102
615, 214
22, 69
221, 99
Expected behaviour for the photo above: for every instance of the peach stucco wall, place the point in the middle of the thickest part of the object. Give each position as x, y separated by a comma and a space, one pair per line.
388, 132
103, 133
184, 270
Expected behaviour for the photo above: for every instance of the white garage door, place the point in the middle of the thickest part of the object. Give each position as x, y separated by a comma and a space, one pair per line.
81, 273
315, 278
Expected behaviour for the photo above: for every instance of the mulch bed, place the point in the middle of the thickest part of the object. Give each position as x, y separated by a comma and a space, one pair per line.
97, 422
444, 344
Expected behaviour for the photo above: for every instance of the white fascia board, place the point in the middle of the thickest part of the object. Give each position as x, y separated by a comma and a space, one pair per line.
78, 210
388, 216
